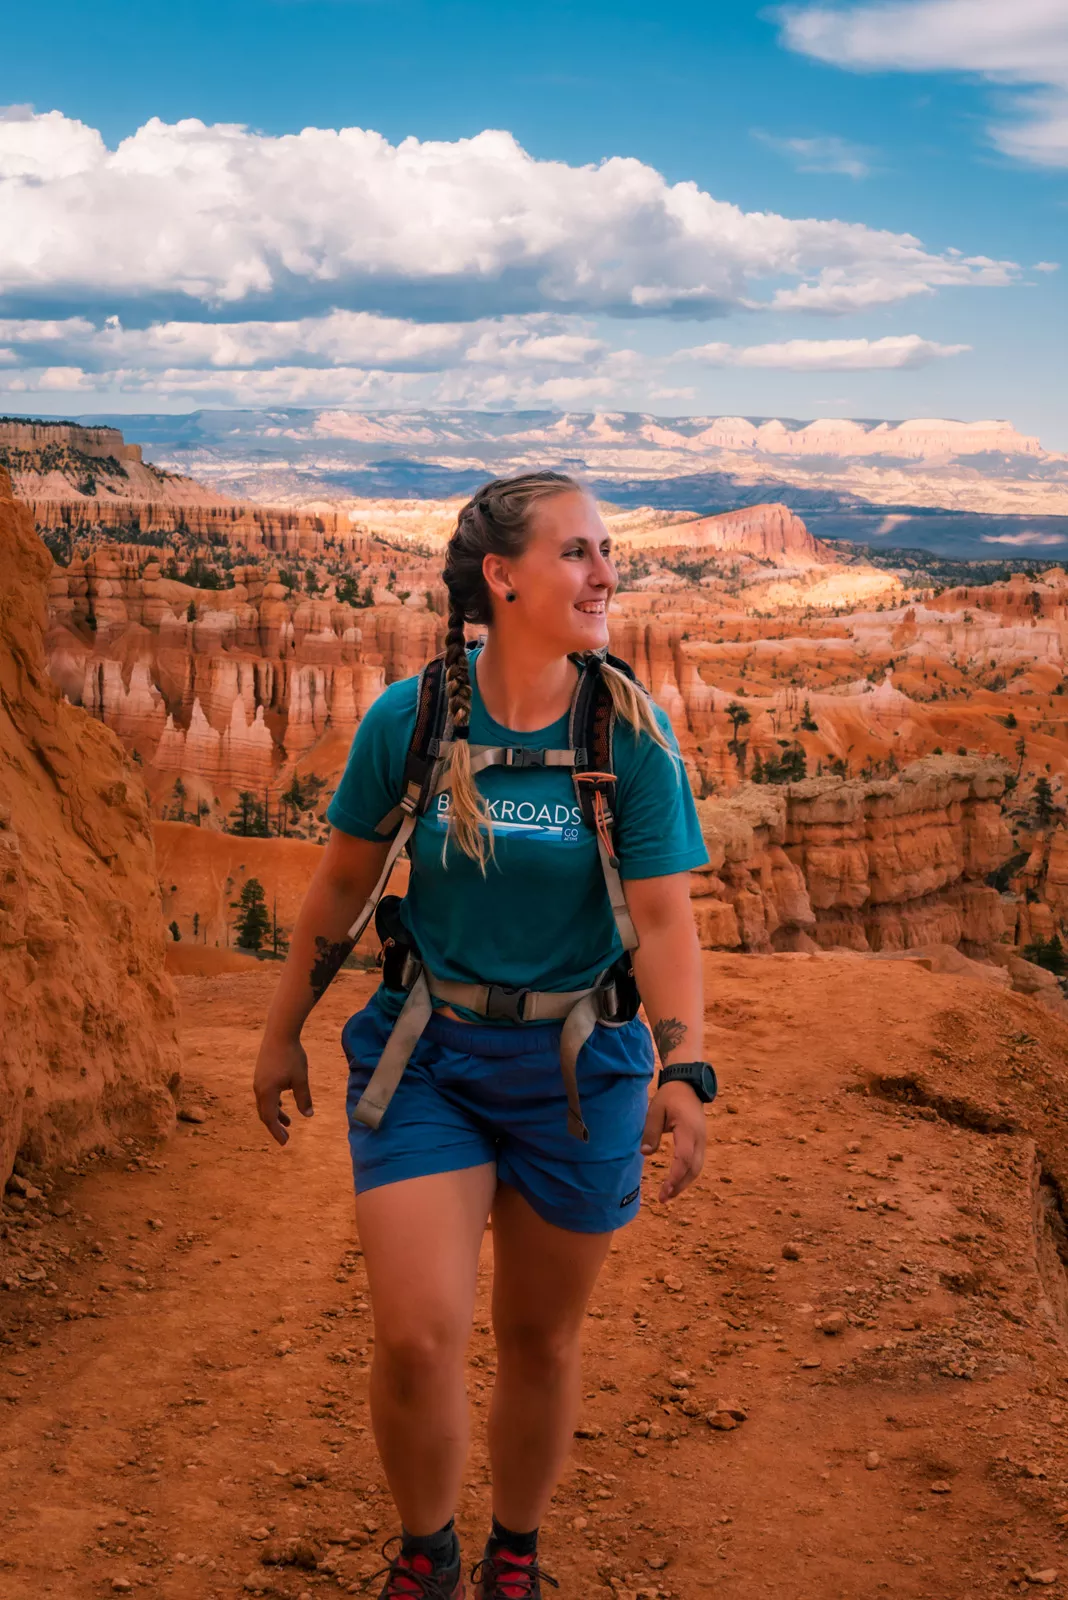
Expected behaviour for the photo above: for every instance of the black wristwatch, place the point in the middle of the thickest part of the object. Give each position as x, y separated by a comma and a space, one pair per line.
698, 1074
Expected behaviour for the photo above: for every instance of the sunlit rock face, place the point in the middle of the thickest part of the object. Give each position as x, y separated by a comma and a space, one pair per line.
88, 1049
888, 865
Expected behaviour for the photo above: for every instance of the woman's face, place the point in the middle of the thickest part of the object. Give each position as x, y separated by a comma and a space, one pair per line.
564, 579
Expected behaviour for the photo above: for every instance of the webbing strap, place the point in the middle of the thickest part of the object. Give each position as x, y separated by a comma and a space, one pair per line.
578, 1008
404, 833
485, 755
578, 1025
415, 1014
614, 884
536, 1005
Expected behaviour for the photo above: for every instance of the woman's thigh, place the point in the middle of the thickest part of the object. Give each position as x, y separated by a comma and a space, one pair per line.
420, 1239
543, 1275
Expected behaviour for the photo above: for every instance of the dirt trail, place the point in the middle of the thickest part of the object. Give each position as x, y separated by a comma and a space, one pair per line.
183, 1368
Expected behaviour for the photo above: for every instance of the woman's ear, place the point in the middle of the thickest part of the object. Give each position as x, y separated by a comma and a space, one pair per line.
498, 580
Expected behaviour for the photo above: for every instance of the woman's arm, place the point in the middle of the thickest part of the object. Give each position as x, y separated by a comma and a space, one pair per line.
318, 945
667, 965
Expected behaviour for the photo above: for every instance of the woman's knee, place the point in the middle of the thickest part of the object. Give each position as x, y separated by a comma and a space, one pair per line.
420, 1351
546, 1348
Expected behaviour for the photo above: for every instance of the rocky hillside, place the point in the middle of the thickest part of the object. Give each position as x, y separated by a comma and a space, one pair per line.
59, 463
88, 1051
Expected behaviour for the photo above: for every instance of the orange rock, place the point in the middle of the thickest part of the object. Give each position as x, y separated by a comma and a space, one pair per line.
81, 936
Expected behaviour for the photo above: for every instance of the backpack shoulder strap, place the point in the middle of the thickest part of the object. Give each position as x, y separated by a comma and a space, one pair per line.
420, 775
591, 731
423, 758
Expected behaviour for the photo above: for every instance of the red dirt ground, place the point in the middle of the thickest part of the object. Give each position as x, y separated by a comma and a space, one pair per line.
183, 1366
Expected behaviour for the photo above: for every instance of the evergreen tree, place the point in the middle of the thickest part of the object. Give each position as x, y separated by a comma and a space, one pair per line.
279, 936
176, 932
1043, 799
253, 923
249, 817
191, 611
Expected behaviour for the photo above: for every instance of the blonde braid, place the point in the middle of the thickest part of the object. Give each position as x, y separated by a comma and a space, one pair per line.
467, 811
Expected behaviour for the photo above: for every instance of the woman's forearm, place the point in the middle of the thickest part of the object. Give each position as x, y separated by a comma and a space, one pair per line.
319, 943
667, 966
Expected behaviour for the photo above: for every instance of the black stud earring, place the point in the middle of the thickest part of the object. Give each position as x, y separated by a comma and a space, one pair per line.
510, 596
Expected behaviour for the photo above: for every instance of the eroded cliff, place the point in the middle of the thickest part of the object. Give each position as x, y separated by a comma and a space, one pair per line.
88, 1049
880, 865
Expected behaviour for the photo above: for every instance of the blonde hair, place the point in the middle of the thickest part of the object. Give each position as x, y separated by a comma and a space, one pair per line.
496, 521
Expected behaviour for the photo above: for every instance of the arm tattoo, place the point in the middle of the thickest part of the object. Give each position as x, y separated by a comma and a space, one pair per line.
669, 1033
329, 959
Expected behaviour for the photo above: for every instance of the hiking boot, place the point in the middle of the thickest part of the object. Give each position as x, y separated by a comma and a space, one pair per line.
503, 1576
414, 1578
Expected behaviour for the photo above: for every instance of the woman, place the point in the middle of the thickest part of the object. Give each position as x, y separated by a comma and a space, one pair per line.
479, 1125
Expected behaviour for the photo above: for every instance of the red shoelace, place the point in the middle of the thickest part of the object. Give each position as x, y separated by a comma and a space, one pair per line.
505, 1576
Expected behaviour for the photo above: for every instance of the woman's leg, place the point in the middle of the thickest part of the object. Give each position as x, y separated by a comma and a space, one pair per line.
420, 1240
542, 1279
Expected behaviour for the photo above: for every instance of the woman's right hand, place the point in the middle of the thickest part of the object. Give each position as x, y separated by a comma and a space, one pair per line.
280, 1066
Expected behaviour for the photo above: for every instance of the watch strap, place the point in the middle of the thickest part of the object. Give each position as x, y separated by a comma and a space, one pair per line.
691, 1072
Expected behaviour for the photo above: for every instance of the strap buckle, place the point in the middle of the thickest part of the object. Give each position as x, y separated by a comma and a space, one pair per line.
608, 1002
519, 756
505, 1005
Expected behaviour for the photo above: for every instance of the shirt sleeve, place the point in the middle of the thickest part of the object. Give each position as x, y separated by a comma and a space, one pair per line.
657, 831
373, 779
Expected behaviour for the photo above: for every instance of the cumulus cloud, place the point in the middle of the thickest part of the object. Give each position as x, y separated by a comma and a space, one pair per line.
828, 355
186, 214
1023, 44
828, 153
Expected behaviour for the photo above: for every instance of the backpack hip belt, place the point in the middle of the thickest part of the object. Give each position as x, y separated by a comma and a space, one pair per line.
426, 775
579, 1009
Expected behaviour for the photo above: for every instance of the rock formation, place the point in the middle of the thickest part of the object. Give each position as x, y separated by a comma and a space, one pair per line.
887, 865
769, 532
87, 1016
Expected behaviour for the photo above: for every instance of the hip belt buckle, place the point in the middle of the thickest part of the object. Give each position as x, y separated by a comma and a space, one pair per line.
608, 1002
505, 1005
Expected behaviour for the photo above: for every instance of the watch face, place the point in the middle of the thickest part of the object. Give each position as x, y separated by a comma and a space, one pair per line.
708, 1080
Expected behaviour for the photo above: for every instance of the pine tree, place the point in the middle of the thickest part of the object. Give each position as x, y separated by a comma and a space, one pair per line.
253, 923
249, 817
1043, 799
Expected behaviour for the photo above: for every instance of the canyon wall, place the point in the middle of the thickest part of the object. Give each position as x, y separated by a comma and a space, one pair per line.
770, 532
247, 527
889, 865
88, 1048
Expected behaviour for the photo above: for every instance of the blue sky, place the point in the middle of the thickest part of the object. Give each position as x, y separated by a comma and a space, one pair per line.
228, 268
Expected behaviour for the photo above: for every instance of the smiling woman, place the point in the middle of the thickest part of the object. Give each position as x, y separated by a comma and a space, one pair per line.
502, 1068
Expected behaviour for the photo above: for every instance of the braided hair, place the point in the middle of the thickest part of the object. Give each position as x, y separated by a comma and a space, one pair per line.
496, 521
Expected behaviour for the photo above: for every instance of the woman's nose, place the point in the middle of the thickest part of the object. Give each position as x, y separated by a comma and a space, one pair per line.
604, 572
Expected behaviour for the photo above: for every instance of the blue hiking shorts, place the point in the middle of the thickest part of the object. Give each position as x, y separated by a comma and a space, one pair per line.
476, 1092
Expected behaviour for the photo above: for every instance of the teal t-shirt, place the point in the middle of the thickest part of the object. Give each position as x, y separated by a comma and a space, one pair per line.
540, 918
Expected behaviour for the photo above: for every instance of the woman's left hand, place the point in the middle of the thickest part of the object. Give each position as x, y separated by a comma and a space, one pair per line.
675, 1109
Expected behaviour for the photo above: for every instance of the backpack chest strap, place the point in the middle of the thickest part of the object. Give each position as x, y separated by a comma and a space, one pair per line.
490, 755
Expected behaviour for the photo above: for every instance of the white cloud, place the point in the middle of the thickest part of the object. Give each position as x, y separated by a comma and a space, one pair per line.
1046, 266
1046, 540
828, 355
434, 231
1023, 43
828, 153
